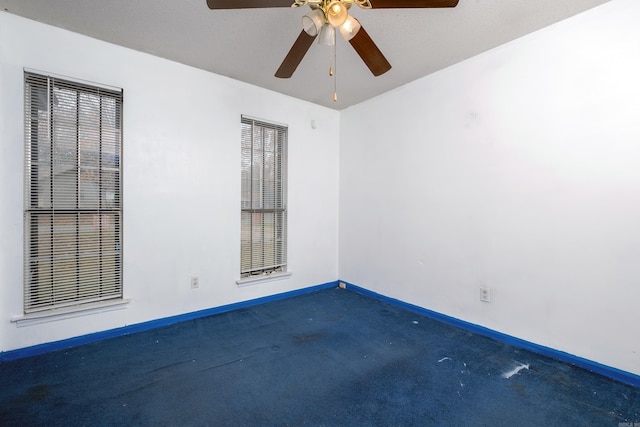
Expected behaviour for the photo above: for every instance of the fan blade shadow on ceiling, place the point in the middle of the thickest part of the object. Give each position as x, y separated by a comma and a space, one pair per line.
416, 4
295, 55
247, 4
369, 52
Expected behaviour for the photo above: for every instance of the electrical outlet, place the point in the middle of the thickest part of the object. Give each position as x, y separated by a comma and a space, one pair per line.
195, 282
485, 294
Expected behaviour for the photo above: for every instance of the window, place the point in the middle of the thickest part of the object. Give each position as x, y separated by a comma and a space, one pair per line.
73, 209
264, 198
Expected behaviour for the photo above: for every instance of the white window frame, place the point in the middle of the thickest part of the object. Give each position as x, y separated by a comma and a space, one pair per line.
73, 195
263, 253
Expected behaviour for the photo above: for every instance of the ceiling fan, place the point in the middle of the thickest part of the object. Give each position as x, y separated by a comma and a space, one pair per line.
327, 16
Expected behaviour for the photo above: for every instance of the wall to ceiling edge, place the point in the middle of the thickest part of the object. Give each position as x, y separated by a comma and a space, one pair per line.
516, 170
181, 181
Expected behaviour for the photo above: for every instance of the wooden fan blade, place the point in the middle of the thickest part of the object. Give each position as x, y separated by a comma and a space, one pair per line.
369, 52
417, 4
295, 55
247, 4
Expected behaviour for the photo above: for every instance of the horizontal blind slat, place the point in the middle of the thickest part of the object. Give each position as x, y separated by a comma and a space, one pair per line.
263, 195
73, 143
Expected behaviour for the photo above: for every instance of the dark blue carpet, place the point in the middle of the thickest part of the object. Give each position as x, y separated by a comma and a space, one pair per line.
330, 358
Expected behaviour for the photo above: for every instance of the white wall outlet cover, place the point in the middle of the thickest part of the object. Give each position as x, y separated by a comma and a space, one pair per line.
485, 294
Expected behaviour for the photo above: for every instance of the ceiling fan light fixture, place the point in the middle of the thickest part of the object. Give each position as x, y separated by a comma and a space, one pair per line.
327, 35
350, 28
337, 13
313, 21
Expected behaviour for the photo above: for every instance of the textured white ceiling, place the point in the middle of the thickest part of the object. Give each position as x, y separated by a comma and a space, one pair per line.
250, 44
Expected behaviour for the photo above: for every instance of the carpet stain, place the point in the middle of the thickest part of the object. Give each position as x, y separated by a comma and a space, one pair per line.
34, 394
515, 370
520, 389
37, 393
562, 379
307, 338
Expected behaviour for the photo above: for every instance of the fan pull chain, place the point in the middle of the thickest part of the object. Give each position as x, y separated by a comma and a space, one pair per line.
333, 74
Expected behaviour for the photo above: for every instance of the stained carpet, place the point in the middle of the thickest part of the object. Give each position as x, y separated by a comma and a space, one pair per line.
329, 358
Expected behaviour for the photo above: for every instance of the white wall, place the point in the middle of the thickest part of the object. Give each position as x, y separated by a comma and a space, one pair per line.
518, 169
181, 180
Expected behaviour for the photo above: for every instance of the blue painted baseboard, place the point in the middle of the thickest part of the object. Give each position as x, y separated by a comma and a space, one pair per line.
608, 371
145, 326
613, 373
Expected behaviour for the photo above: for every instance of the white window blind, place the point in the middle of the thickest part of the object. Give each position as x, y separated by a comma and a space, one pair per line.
264, 198
73, 209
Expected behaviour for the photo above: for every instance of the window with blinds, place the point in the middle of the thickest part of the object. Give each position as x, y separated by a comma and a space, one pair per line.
264, 198
73, 209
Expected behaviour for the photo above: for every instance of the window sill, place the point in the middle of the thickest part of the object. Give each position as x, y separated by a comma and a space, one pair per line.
69, 312
248, 281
